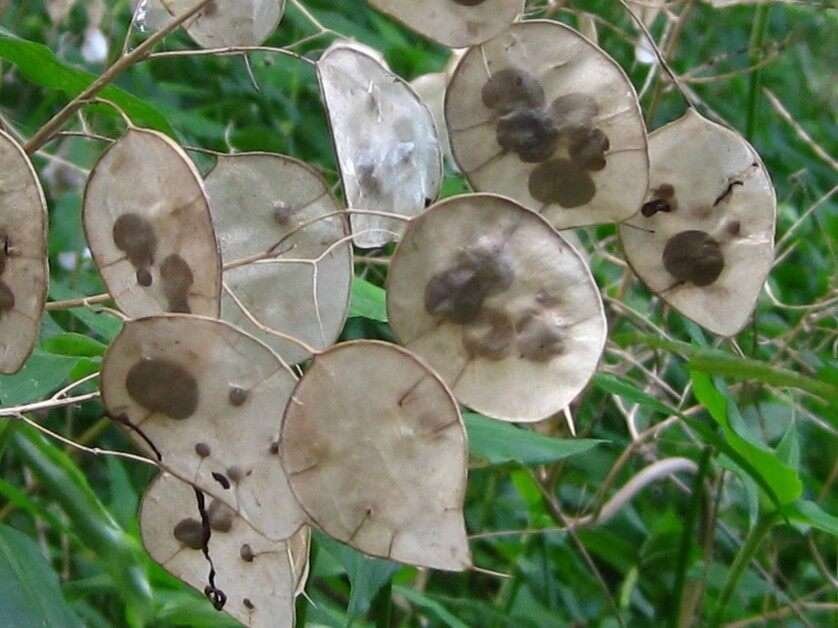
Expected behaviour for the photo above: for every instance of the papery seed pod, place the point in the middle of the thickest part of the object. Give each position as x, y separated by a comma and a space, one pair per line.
228, 23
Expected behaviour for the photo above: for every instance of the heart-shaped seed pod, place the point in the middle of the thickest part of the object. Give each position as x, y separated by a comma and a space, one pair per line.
386, 142
229, 23
454, 23
257, 201
704, 239
544, 116
210, 399
375, 450
257, 574
24, 270
499, 304
148, 224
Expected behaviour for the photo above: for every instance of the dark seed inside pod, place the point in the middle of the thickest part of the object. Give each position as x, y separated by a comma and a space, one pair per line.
159, 385
4, 251
238, 396
694, 256
562, 182
734, 228
203, 450
665, 190
573, 111
511, 89
529, 133
235, 474
588, 148
650, 208
144, 277
282, 213
490, 336
134, 235
248, 604
177, 282
246, 553
190, 532
539, 337
7, 298
220, 516
469, 3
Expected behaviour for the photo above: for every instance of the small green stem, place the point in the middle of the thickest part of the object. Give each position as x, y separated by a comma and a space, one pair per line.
758, 33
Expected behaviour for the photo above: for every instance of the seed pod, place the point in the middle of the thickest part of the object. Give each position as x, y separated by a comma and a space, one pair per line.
454, 23
705, 238
387, 146
518, 345
147, 220
24, 270
228, 23
257, 200
586, 161
350, 474
268, 580
170, 376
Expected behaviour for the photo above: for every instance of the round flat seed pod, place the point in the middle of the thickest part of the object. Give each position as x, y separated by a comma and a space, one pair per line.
544, 116
253, 571
148, 224
386, 142
24, 271
499, 304
228, 23
375, 450
257, 200
704, 239
210, 398
454, 23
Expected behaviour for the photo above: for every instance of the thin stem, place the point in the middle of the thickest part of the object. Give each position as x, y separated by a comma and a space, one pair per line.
758, 32
48, 404
229, 51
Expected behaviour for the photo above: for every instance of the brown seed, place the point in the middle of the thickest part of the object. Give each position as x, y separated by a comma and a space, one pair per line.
588, 148
511, 89
248, 604
694, 256
282, 213
529, 133
144, 277
490, 336
7, 298
539, 337
665, 190
134, 235
246, 553
220, 516
650, 208
177, 276
190, 532
238, 396
734, 228
562, 182
163, 386
573, 111
203, 450
469, 3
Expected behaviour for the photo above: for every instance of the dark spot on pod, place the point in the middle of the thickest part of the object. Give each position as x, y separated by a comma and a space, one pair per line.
238, 396
573, 111
177, 282
490, 336
159, 385
248, 604
144, 277
246, 553
539, 337
203, 450
274, 449
588, 148
221, 479
190, 532
665, 190
368, 179
511, 89
529, 133
4, 251
282, 213
469, 3
650, 208
7, 298
211, 9
220, 516
134, 235
734, 228
562, 182
235, 474
694, 256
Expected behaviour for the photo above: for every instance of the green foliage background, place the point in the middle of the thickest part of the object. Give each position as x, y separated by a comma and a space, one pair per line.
69, 548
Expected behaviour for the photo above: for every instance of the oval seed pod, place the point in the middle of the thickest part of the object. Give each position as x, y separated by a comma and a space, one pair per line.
148, 224
454, 23
375, 450
499, 304
257, 201
24, 269
230, 23
704, 240
387, 146
210, 398
544, 116
255, 572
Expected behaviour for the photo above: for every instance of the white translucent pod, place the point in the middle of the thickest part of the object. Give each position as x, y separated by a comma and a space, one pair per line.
230, 23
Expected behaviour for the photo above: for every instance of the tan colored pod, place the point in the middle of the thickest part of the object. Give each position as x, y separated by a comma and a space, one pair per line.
147, 220
230, 23
704, 240
258, 200
376, 452
499, 304
386, 142
24, 267
210, 398
454, 23
544, 116
255, 573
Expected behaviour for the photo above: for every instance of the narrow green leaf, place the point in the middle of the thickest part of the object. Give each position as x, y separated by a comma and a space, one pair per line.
788, 449
423, 601
105, 325
74, 345
810, 513
42, 374
24, 502
40, 66
500, 443
29, 591
368, 301
627, 390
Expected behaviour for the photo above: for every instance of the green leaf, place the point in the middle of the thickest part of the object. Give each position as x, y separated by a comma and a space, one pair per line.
368, 301
423, 601
74, 345
627, 390
40, 66
500, 443
23, 501
809, 513
29, 591
105, 325
42, 374
788, 449
782, 481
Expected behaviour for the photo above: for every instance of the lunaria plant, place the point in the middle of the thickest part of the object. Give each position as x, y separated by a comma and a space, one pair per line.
704, 239
499, 304
542, 115
230, 23
24, 272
